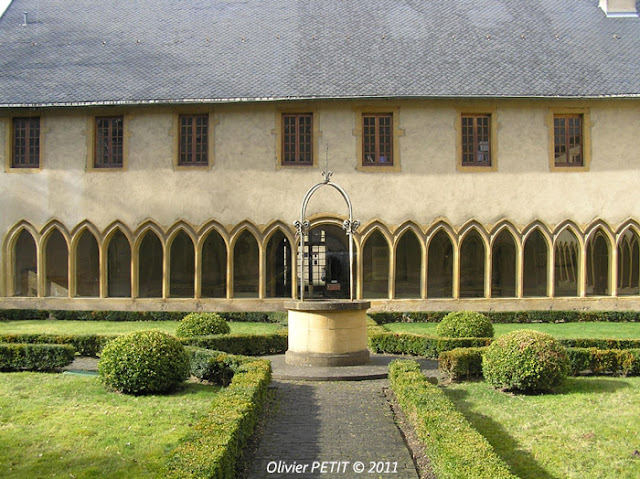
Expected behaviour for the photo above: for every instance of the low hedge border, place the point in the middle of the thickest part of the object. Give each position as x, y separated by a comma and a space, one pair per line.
466, 363
455, 448
245, 344
35, 357
215, 445
545, 316
84, 344
420, 344
92, 344
68, 315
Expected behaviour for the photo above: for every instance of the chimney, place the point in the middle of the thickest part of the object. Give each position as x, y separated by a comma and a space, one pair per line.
619, 8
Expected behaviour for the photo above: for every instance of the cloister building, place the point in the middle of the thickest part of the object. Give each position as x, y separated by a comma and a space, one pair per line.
156, 153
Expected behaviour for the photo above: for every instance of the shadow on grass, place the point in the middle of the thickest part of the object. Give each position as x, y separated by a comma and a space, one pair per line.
592, 384
519, 461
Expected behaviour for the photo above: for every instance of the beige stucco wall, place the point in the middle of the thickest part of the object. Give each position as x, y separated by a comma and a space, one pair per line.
245, 183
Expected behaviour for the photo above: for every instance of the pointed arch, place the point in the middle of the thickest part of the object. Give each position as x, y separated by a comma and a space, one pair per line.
23, 251
567, 247
599, 225
598, 251
542, 229
182, 261
150, 252
117, 244
376, 250
504, 255
278, 267
473, 253
55, 246
85, 251
246, 261
442, 225
441, 248
628, 246
213, 245
535, 259
409, 250
143, 229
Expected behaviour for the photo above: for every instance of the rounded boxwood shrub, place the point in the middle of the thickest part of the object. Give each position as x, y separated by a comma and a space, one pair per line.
144, 362
525, 360
202, 324
465, 324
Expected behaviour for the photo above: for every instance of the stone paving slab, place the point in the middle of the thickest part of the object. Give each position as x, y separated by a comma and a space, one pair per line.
377, 368
330, 429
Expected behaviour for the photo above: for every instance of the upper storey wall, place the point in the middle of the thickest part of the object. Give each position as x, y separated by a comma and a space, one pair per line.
246, 182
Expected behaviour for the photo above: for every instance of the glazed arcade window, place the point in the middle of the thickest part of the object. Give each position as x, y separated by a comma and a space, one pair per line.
568, 140
476, 140
297, 139
109, 142
377, 139
26, 143
194, 140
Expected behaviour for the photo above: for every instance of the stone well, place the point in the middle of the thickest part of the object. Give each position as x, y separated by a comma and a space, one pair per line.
327, 333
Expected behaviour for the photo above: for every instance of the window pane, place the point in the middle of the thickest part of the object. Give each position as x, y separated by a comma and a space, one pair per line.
214, 267
476, 140
440, 267
297, 139
25, 266
503, 266
109, 142
246, 267
278, 267
375, 267
472, 256
534, 270
566, 264
57, 266
150, 267
598, 265
119, 266
182, 267
87, 266
408, 266
26, 143
377, 139
193, 140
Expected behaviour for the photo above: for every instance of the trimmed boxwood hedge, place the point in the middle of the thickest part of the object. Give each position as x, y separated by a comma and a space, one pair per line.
216, 442
420, 344
465, 363
202, 324
35, 357
454, 447
545, 316
84, 344
465, 324
68, 315
144, 362
92, 344
245, 344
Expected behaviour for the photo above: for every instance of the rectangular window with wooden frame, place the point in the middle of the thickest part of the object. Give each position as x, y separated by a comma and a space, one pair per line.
26, 143
568, 140
476, 140
194, 143
109, 144
377, 139
297, 139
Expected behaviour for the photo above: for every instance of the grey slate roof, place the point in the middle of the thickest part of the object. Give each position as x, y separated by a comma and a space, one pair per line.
145, 51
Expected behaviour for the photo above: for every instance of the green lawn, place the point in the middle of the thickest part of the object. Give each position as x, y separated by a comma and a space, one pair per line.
561, 330
57, 425
588, 430
116, 327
